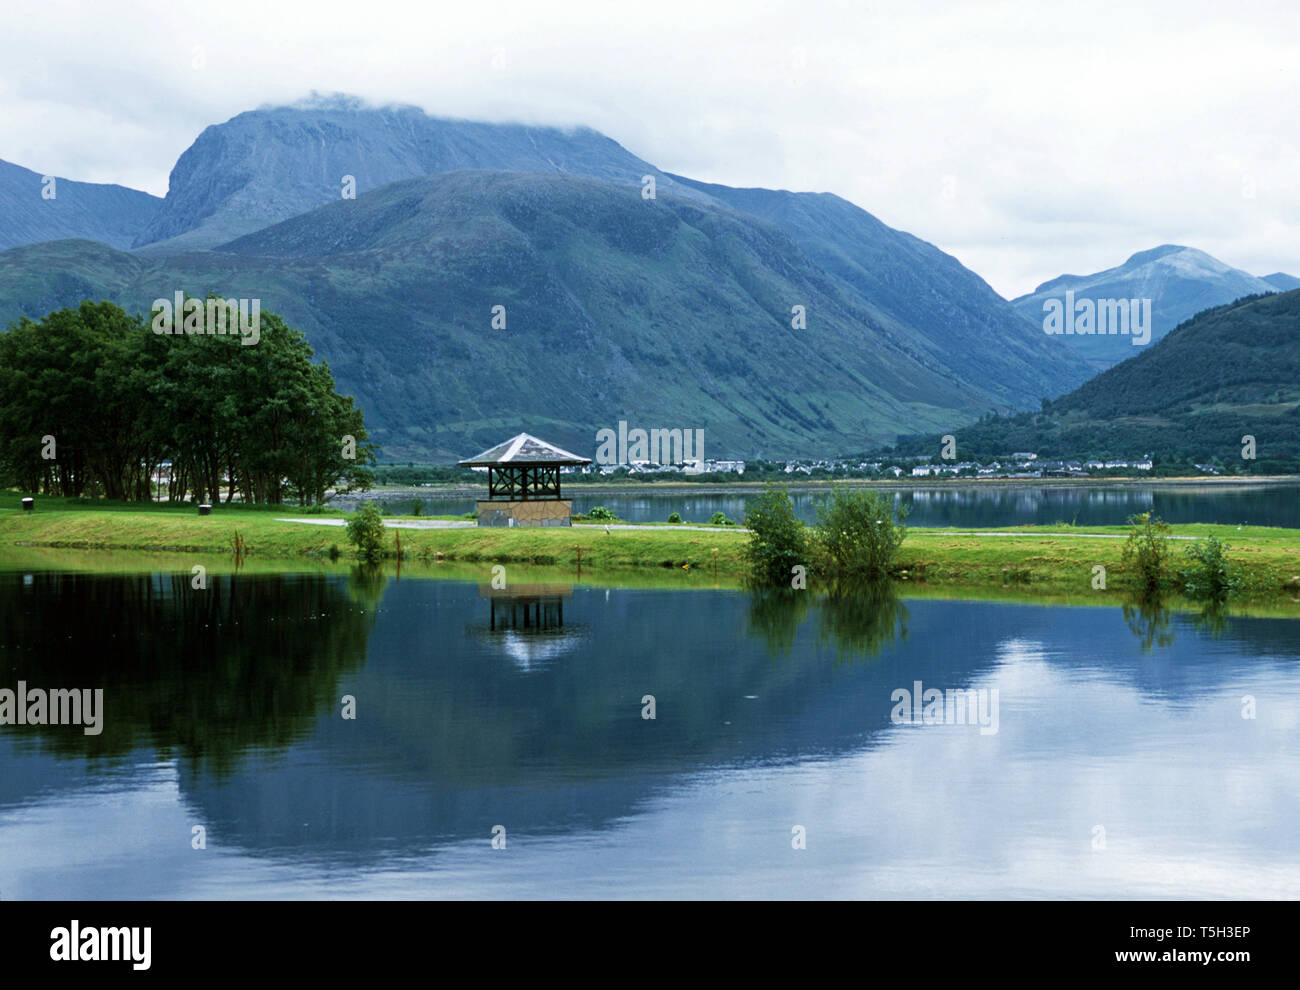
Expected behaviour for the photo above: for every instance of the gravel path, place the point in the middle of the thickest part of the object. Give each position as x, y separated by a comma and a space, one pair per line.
391, 524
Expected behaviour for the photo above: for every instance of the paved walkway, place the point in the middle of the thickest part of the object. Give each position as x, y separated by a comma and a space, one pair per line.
469, 524
392, 524
1041, 536
698, 529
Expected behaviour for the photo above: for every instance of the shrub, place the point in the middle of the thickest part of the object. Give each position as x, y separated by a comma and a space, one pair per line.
858, 535
778, 540
1208, 576
720, 519
417, 507
1147, 550
601, 513
674, 518
366, 531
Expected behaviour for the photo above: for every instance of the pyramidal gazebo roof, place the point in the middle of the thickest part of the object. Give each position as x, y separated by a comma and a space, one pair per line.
524, 449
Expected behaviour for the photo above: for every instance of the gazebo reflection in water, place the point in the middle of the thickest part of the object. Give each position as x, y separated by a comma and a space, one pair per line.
528, 621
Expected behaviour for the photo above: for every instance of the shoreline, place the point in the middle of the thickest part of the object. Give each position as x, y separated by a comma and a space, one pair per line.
451, 490
525, 578
1033, 562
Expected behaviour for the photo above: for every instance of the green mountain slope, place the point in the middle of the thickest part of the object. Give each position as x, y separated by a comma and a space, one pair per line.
1229, 372
667, 313
956, 316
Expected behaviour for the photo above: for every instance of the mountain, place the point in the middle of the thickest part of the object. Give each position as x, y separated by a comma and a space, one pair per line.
662, 319
955, 315
111, 214
1282, 282
1231, 371
274, 163
1178, 281
669, 313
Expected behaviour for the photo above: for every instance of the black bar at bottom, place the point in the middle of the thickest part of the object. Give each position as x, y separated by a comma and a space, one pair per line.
917, 940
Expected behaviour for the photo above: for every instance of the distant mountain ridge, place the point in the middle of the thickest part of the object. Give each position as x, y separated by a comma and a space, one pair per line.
1282, 282
32, 210
667, 313
1230, 372
655, 304
905, 337
273, 163
1180, 282
958, 317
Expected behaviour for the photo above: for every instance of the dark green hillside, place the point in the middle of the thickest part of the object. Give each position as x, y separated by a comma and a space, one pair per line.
955, 316
1228, 372
666, 313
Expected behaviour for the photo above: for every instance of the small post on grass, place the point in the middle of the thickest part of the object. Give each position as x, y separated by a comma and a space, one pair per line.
29, 504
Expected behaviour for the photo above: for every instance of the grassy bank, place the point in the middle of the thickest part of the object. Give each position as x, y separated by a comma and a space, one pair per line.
1029, 561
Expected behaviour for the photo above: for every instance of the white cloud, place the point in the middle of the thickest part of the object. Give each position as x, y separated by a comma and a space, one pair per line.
1026, 139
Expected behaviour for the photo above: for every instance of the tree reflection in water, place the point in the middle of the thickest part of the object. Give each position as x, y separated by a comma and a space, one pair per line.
208, 675
857, 624
1150, 620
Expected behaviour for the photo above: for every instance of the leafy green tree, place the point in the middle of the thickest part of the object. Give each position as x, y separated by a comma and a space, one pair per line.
118, 405
1208, 575
858, 535
1147, 551
79, 377
778, 541
366, 532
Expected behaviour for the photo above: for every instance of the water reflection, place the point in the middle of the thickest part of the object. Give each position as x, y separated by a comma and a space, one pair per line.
1213, 620
207, 674
466, 719
775, 615
366, 584
1149, 617
853, 625
527, 622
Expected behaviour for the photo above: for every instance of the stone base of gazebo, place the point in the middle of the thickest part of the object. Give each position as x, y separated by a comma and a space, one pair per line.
530, 512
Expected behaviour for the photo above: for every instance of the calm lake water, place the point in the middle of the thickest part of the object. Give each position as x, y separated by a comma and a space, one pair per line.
1275, 504
1121, 764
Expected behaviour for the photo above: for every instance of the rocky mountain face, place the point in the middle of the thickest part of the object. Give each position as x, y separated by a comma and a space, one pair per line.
35, 209
270, 164
1170, 282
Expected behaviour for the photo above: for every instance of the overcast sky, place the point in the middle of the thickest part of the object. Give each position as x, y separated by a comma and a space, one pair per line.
1027, 139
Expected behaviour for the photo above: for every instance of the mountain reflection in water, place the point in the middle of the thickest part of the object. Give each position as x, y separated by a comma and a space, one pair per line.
522, 706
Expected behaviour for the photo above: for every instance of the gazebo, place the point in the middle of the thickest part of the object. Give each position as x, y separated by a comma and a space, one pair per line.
524, 483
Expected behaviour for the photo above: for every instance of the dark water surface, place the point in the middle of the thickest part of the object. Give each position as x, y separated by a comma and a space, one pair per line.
1121, 764
1042, 504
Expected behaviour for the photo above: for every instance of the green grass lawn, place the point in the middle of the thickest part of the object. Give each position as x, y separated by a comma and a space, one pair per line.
1050, 561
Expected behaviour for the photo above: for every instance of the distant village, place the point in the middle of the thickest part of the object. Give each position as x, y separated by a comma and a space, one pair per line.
1020, 464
